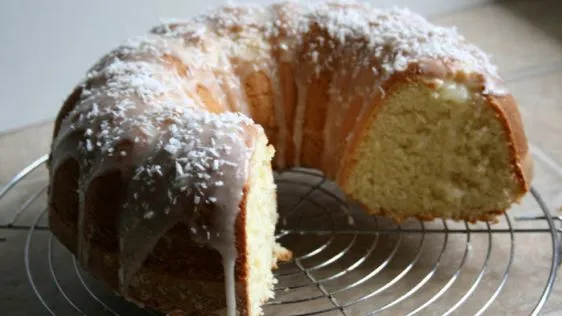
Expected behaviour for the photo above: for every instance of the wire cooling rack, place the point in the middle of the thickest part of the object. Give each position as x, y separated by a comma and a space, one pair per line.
346, 262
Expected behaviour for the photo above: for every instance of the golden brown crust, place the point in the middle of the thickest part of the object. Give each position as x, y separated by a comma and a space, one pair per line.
487, 216
261, 100
317, 97
242, 265
289, 93
509, 116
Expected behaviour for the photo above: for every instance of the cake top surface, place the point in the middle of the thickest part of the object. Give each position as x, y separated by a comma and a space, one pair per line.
394, 37
387, 41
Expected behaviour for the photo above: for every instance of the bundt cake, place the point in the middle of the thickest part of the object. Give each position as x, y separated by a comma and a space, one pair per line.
161, 163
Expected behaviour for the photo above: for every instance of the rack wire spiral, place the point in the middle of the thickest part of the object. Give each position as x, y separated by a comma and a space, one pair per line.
346, 262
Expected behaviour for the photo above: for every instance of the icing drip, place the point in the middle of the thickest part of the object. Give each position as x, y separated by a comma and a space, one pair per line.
299, 120
228, 263
281, 121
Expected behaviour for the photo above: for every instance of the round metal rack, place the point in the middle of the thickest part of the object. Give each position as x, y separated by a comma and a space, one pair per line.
346, 262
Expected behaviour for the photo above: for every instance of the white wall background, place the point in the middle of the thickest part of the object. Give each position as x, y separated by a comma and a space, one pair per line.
47, 45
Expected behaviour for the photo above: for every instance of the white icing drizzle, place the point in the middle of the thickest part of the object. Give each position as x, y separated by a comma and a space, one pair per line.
332, 125
280, 117
299, 119
134, 95
228, 263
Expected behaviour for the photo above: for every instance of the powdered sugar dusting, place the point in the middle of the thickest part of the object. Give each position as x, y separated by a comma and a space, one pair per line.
391, 39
